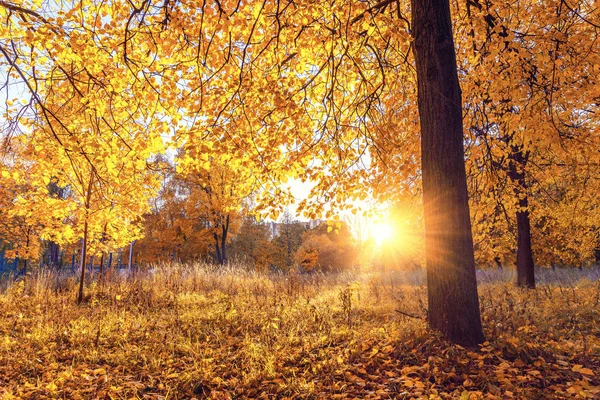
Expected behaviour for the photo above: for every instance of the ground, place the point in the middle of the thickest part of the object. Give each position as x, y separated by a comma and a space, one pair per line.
191, 331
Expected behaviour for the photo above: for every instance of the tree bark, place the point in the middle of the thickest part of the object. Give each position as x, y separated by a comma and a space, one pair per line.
452, 286
218, 250
225, 230
83, 256
88, 201
54, 254
525, 264
102, 265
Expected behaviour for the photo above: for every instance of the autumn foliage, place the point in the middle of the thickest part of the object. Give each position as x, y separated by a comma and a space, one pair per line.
176, 132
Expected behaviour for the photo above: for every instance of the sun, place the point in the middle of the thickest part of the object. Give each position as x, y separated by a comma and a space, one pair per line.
381, 232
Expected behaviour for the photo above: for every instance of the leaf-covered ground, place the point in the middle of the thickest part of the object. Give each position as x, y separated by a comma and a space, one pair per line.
187, 332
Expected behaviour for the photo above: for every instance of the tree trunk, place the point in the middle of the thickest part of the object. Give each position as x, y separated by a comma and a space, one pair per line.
225, 230
25, 260
525, 265
218, 249
221, 242
452, 286
102, 265
88, 201
130, 257
102, 254
54, 254
83, 257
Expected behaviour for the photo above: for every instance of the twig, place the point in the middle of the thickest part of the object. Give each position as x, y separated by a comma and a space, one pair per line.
411, 315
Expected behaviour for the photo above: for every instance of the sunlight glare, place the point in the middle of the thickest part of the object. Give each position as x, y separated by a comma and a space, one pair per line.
381, 232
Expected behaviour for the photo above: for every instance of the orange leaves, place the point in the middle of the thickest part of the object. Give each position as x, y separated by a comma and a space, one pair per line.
582, 370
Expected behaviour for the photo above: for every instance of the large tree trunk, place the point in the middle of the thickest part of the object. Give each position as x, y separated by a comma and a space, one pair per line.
452, 286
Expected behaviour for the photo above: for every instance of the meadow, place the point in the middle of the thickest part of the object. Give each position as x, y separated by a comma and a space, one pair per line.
198, 331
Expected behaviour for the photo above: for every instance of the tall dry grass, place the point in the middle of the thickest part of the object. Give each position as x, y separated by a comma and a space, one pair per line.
181, 331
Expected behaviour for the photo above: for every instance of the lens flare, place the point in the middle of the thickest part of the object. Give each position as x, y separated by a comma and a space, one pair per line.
381, 232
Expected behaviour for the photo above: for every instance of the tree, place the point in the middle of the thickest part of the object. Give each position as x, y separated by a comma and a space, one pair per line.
528, 110
252, 244
215, 195
170, 233
109, 187
327, 248
289, 240
452, 287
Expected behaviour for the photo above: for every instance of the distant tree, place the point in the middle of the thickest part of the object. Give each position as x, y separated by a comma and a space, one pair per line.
52, 253
289, 240
217, 193
171, 234
328, 248
252, 244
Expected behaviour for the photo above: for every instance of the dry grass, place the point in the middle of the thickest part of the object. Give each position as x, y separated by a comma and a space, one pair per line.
196, 331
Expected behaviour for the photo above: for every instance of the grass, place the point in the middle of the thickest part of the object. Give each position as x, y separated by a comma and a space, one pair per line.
186, 331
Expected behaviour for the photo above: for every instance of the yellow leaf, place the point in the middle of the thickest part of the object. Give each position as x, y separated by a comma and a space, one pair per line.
52, 387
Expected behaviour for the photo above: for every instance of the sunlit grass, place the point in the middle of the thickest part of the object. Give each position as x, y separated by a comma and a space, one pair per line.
185, 331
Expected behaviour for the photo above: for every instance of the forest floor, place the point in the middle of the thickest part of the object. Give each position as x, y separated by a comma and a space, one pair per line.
192, 332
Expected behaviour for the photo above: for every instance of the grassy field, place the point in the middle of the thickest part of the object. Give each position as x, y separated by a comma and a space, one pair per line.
193, 331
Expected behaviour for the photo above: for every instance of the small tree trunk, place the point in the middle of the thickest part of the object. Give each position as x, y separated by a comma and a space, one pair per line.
525, 265
54, 250
25, 260
218, 249
130, 257
102, 265
83, 257
225, 230
451, 282
88, 201
102, 254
